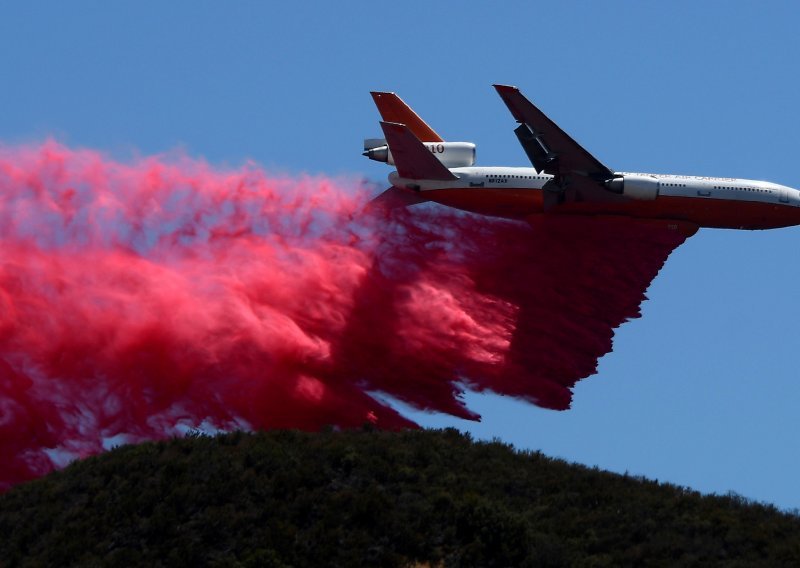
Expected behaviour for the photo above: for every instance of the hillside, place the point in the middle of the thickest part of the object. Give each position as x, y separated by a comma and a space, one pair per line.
374, 499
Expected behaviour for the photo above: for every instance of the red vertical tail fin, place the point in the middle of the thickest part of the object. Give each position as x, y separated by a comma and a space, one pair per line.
393, 109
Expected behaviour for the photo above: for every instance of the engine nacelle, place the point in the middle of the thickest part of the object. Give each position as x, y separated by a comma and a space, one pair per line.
451, 154
634, 186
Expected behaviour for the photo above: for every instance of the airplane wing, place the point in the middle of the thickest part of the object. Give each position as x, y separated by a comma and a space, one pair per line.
577, 174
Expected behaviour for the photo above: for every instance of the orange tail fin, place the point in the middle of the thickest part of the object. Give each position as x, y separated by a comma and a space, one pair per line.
393, 109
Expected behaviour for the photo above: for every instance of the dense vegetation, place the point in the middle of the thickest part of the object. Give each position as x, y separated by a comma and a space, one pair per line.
373, 498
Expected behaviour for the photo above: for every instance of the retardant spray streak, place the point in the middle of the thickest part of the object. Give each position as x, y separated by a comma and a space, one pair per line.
141, 299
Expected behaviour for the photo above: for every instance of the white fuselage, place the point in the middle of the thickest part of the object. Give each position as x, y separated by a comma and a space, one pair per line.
499, 177
706, 201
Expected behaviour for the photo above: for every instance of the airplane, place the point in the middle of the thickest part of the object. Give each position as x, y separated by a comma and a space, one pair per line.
591, 239
565, 178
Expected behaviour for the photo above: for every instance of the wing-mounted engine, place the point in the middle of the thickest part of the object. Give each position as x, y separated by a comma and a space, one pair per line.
635, 186
450, 154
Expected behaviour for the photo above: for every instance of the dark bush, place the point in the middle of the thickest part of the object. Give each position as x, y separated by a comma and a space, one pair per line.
371, 498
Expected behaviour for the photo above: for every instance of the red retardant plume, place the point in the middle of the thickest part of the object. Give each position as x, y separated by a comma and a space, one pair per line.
140, 300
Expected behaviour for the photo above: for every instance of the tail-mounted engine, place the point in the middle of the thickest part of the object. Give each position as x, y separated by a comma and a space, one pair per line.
451, 154
634, 186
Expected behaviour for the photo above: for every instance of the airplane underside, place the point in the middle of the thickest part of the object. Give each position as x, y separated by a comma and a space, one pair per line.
704, 212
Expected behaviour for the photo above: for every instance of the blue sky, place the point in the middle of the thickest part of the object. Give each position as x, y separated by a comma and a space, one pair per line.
703, 390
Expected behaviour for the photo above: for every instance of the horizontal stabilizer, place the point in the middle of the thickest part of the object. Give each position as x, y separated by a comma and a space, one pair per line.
412, 158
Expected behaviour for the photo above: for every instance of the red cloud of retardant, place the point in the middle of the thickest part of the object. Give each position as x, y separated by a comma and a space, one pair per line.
140, 299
